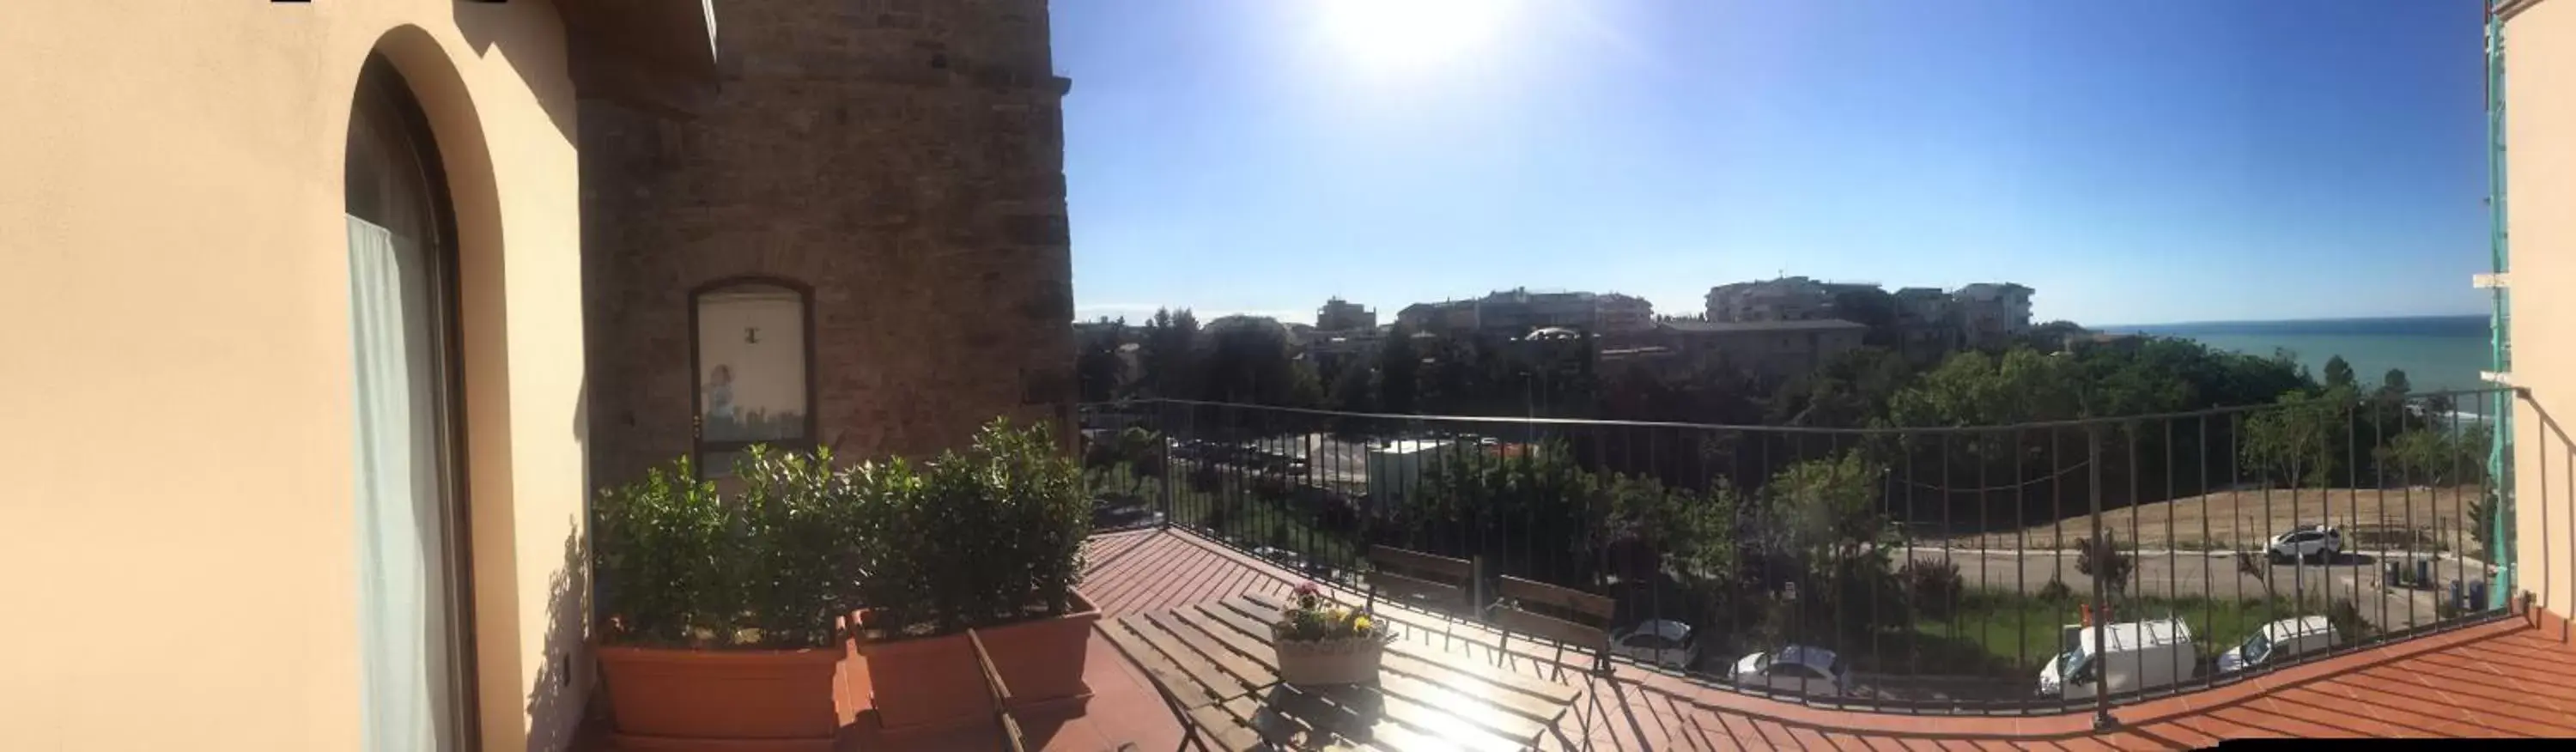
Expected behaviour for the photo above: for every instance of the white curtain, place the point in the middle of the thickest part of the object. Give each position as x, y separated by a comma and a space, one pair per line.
402, 572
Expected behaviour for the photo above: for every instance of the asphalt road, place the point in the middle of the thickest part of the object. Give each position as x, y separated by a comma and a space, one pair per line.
2353, 576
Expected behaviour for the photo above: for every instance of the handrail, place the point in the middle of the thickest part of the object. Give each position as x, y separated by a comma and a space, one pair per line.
1869, 431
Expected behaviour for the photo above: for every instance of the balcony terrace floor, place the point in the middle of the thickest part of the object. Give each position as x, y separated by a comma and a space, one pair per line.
2505, 678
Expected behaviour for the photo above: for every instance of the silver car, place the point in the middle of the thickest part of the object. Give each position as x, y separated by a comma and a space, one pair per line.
1662, 642
1796, 669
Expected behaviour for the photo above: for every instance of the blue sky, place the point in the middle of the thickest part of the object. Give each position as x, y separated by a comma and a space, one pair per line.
2136, 162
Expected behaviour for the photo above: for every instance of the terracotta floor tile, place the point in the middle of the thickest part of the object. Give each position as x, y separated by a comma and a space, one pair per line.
2486, 681
2321, 709
1735, 729
2556, 689
2084, 744
2214, 727
2064, 724
1802, 737
2405, 716
1879, 742
2161, 736
2558, 728
2269, 720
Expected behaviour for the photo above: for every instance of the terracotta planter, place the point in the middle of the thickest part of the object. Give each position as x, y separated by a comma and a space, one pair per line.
665, 697
933, 680
1308, 663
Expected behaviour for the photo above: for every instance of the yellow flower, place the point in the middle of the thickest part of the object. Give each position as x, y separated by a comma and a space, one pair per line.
1360, 623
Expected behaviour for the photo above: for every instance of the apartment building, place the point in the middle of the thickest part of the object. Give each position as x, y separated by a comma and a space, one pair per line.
1339, 315
1991, 312
1616, 314
1783, 299
1455, 316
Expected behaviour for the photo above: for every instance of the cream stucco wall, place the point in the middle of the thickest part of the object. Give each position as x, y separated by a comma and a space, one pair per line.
176, 531
2541, 203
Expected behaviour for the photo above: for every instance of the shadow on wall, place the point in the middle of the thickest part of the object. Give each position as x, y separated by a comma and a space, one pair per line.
556, 701
514, 28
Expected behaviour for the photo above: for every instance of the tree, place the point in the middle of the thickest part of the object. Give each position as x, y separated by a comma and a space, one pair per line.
1170, 354
2338, 372
2437, 456
1399, 368
2482, 523
2394, 383
1354, 389
1974, 388
1847, 392
2103, 558
2249, 565
1871, 307
1142, 451
1476, 503
1253, 364
1097, 367
2301, 439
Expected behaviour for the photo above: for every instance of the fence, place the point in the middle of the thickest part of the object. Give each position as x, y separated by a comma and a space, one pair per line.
1937, 569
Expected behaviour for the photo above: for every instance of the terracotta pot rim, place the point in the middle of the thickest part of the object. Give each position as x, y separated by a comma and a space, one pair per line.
651, 654
1088, 610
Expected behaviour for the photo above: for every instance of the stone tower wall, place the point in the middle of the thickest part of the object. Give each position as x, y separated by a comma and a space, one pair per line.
905, 160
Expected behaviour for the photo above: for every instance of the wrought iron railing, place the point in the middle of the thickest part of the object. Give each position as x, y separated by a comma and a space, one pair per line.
1927, 569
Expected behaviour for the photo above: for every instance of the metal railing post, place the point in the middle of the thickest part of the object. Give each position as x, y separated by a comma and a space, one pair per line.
2101, 611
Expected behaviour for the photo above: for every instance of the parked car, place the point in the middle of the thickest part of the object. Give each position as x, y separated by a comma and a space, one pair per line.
2140, 655
1662, 642
2306, 542
1795, 669
2280, 641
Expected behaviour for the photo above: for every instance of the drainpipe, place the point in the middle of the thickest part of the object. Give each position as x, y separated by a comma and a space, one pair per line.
2499, 497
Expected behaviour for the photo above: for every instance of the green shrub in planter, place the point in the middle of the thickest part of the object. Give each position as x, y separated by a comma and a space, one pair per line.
679, 565
988, 536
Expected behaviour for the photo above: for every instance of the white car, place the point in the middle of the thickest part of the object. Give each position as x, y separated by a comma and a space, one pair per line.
2307, 542
1796, 669
1662, 642
2280, 641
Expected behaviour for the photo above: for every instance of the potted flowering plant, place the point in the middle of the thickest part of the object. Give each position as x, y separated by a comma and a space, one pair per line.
1321, 644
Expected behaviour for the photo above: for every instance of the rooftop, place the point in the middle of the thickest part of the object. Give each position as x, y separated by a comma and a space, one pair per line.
1763, 326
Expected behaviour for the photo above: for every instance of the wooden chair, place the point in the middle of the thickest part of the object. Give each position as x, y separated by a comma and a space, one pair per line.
1563, 615
1009, 727
1418, 579
1435, 583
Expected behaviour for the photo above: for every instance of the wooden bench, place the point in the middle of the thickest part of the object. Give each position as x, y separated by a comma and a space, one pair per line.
1008, 727
1436, 583
1566, 616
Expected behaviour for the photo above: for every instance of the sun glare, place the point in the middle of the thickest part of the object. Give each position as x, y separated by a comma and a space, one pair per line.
1410, 35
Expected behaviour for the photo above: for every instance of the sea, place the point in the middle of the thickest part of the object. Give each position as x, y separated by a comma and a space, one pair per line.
2438, 353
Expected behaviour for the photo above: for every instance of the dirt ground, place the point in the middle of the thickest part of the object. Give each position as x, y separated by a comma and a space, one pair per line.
2372, 519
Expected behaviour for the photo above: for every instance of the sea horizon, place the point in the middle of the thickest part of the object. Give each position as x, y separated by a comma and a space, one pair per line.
2437, 353
2450, 321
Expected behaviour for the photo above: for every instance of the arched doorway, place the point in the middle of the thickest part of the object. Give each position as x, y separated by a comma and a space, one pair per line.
414, 595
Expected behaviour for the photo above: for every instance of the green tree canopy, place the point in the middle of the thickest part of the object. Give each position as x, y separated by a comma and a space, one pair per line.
2338, 372
1399, 370
2302, 440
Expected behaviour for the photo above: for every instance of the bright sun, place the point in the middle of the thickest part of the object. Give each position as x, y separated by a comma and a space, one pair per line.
1397, 35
